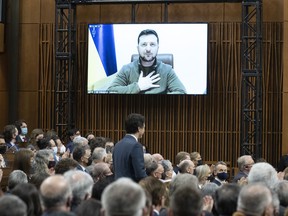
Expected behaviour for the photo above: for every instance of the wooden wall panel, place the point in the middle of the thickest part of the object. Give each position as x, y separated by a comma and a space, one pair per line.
30, 11
285, 80
29, 58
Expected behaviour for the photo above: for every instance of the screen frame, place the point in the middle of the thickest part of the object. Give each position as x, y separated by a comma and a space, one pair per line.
173, 38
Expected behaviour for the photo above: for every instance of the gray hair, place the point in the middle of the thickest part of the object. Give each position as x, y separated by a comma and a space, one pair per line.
241, 161
254, 199
263, 172
16, 177
81, 184
182, 180
79, 141
12, 205
281, 188
123, 197
41, 160
99, 153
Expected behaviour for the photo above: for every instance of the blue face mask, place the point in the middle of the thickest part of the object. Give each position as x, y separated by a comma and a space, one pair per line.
222, 176
24, 131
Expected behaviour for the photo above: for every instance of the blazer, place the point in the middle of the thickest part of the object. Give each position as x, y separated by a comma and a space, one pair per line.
128, 159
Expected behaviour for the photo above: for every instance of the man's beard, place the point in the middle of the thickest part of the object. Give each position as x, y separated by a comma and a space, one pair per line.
147, 60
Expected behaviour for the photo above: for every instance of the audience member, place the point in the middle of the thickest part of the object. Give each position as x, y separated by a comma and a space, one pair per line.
182, 180
186, 166
81, 154
283, 163
254, 199
44, 162
65, 165
22, 128
209, 189
158, 157
10, 132
196, 158
55, 194
128, 159
123, 197
264, 173
38, 178
186, 201
30, 195
203, 172
11, 205
220, 173
180, 157
158, 172
281, 189
99, 154
72, 133
109, 145
245, 163
16, 177
36, 135
168, 171
158, 192
90, 207
23, 160
81, 184
101, 170
99, 187
225, 200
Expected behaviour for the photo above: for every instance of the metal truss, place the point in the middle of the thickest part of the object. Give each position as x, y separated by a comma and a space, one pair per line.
251, 108
65, 65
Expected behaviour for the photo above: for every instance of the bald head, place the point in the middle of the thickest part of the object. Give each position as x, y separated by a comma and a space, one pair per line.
55, 192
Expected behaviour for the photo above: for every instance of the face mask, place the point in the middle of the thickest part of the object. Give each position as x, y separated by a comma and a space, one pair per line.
200, 162
62, 149
55, 149
222, 176
24, 131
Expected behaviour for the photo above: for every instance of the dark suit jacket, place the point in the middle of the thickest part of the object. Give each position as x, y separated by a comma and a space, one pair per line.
239, 175
128, 159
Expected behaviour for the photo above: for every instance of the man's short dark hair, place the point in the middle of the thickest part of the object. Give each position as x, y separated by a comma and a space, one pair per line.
134, 121
226, 198
148, 32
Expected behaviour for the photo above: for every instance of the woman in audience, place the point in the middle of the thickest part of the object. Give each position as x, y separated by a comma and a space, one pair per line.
24, 158
202, 172
44, 162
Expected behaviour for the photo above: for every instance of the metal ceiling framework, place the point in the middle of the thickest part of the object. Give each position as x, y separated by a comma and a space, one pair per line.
251, 52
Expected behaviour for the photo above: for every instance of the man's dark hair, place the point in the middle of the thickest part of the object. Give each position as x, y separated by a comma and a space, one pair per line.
8, 132
226, 198
72, 132
78, 152
134, 121
148, 32
64, 165
186, 201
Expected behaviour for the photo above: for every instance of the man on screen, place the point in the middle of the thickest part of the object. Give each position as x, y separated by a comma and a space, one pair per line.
147, 75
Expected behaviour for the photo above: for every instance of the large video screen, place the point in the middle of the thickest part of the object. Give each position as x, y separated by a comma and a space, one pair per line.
112, 70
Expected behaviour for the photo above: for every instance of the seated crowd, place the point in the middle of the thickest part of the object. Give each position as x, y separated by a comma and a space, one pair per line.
50, 178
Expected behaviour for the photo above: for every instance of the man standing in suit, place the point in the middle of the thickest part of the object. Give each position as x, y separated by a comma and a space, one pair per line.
128, 156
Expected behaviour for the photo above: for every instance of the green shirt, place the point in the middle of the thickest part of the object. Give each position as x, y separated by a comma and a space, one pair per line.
126, 80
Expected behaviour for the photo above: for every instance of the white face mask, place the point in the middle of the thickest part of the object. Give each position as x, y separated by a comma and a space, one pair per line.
55, 149
62, 149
